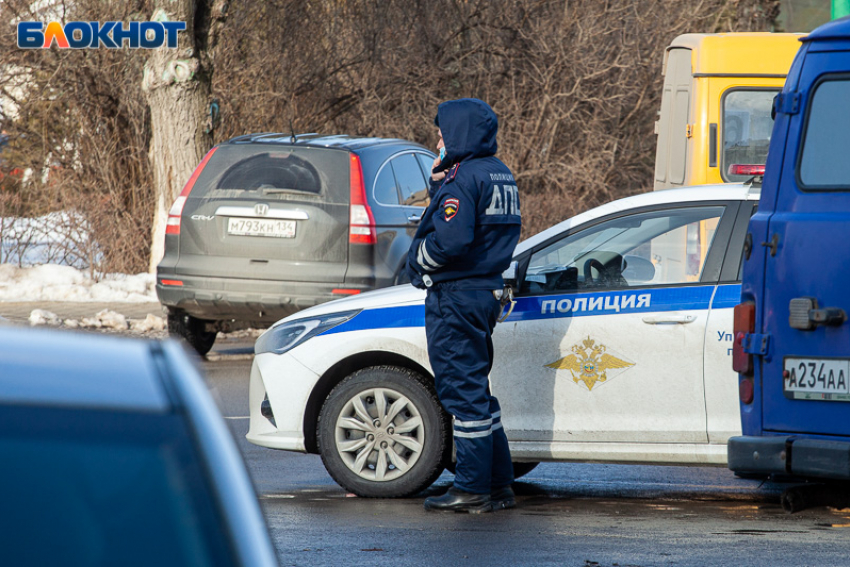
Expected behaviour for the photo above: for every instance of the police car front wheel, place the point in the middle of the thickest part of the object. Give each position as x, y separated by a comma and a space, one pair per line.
383, 433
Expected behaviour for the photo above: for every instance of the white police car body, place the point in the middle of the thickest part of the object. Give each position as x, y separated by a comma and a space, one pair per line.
616, 350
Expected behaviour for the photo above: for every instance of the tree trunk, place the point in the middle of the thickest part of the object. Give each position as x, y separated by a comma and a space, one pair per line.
178, 86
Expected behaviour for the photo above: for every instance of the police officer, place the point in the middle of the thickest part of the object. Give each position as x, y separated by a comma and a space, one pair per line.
464, 242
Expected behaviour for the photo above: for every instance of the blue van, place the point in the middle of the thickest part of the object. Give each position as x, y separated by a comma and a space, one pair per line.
792, 337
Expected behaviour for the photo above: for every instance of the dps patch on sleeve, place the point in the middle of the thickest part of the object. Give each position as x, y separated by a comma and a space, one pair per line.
450, 208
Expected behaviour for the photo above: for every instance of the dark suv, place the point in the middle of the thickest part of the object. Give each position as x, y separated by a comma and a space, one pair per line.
271, 223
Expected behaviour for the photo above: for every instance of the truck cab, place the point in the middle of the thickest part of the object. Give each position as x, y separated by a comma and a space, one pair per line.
792, 337
715, 120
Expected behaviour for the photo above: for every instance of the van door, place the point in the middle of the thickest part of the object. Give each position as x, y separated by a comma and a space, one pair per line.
671, 154
806, 370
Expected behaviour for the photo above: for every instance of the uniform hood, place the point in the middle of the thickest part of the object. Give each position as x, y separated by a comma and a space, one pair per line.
469, 129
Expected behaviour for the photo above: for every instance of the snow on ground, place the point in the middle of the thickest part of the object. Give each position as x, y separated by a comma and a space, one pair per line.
54, 282
45, 259
55, 238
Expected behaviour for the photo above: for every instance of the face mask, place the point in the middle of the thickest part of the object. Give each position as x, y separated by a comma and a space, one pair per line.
442, 153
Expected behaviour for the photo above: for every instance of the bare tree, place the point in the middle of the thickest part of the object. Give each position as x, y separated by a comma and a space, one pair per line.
576, 84
177, 86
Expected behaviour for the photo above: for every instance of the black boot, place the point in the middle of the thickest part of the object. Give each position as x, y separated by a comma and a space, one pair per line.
458, 500
503, 498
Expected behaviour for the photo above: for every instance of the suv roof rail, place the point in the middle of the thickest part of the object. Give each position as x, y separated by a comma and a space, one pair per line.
343, 141
244, 137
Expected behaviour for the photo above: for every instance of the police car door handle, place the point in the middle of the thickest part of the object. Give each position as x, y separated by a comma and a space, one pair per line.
669, 319
415, 218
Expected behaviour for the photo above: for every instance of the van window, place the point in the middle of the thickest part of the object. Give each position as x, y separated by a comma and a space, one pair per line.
823, 159
746, 126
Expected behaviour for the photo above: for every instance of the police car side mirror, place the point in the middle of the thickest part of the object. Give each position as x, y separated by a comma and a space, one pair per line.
510, 274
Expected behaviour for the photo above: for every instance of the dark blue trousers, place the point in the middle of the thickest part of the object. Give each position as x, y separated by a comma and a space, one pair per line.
459, 324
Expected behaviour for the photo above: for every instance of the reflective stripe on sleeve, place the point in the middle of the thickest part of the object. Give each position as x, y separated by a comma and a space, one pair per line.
425, 259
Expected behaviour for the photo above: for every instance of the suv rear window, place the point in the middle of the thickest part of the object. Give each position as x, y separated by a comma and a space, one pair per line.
746, 126
274, 172
823, 158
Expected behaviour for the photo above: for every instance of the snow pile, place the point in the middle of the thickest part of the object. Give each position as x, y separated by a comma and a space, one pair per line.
148, 324
42, 317
53, 282
105, 319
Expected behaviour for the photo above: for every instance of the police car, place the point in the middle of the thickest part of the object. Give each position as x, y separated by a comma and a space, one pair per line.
617, 349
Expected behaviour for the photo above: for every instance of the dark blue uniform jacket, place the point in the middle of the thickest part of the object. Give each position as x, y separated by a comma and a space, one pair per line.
470, 229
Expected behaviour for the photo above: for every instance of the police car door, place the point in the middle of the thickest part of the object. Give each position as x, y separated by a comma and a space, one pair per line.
605, 343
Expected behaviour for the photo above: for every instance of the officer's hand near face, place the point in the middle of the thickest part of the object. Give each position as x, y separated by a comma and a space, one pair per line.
442, 174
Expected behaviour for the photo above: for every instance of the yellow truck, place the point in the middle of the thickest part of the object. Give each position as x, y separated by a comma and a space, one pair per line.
715, 120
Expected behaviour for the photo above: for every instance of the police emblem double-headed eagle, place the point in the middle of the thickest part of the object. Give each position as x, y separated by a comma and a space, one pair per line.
589, 363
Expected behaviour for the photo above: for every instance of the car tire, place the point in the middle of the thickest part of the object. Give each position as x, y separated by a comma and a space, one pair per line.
382, 433
192, 331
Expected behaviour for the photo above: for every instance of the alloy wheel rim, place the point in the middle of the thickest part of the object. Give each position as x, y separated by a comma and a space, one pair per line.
379, 434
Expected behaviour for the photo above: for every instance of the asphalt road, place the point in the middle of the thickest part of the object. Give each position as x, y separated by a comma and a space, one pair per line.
582, 515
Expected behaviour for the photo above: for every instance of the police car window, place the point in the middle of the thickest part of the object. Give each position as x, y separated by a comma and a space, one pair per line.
385, 188
746, 127
643, 249
824, 163
411, 183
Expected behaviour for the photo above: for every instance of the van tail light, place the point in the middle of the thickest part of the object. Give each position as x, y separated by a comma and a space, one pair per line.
172, 225
746, 391
361, 222
746, 169
744, 323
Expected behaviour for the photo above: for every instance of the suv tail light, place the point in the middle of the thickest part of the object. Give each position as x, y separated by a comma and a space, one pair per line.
746, 169
744, 323
172, 225
361, 222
